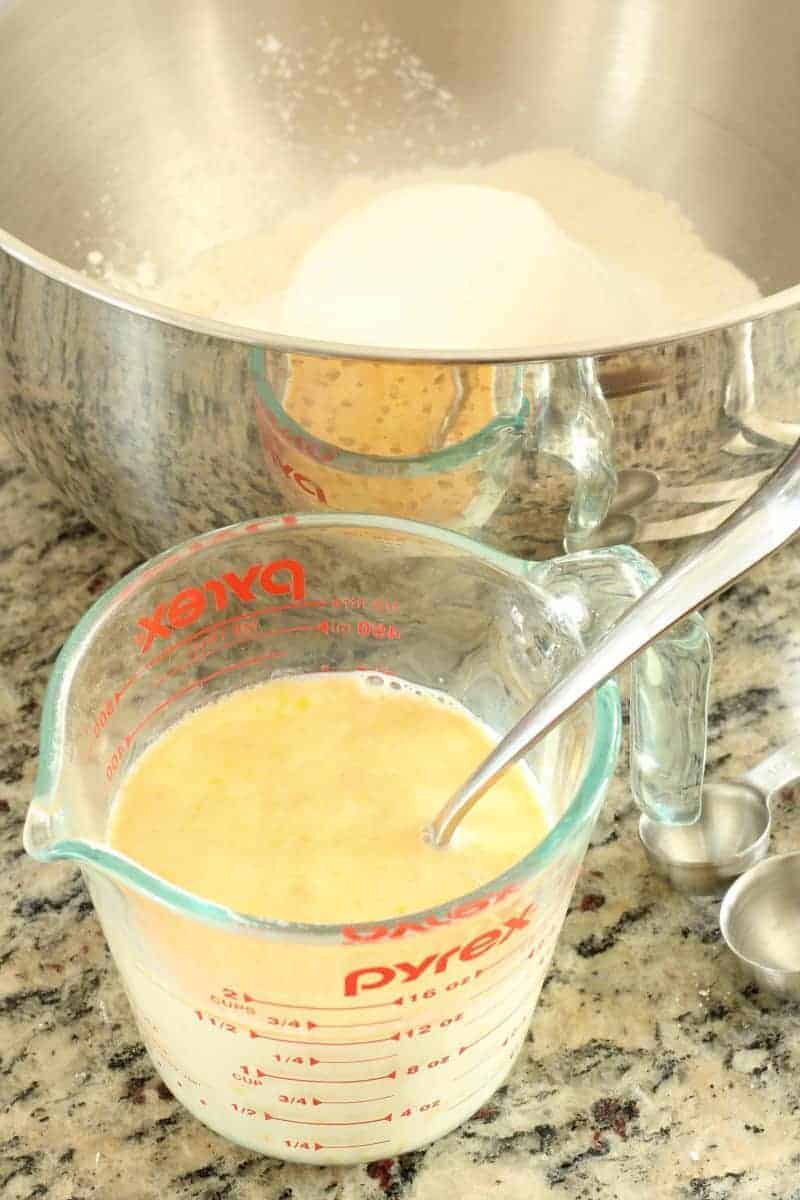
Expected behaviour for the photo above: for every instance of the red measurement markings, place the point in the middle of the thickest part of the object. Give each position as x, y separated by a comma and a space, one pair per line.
492, 1007
247, 1074
494, 1029
326, 1124
350, 1024
493, 987
482, 1062
216, 1022
269, 1037
361, 1100
431, 1026
357, 1145
248, 615
348, 1061
248, 999
116, 758
520, 951
415, 1068
109, 705
376, 629
248, 631
246, 1111
294, 1145
294, 1023
422, 1108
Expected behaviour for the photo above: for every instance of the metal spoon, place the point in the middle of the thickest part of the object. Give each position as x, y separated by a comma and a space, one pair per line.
732, 833
756, 530
759, 921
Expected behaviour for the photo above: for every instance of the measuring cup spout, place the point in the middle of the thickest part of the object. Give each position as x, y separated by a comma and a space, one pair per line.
37, 835
44, 823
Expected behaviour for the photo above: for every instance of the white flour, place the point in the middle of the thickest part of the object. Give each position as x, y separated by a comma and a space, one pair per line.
456, 265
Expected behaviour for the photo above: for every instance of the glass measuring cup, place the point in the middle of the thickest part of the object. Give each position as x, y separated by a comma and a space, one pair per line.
412, 440
345, 1043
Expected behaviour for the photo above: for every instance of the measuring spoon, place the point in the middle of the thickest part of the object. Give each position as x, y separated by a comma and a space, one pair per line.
732, 833
756, 530
759, 920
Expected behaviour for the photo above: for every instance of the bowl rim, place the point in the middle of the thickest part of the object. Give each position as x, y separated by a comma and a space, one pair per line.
163, 314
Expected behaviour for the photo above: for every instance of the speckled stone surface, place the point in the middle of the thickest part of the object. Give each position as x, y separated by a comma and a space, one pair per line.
651, 1069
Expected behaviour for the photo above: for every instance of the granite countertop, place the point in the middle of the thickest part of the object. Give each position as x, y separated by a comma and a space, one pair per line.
652, 1067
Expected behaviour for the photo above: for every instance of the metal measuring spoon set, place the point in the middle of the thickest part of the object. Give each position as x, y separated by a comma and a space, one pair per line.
725, 853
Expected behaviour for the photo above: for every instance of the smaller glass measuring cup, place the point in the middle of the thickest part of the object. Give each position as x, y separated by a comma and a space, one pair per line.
432, 442
340, 1043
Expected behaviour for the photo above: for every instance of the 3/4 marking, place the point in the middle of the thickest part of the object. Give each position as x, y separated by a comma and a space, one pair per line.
352, 1024
268, 1037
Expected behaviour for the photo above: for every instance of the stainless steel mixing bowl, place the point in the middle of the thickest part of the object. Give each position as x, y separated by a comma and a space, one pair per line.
157, 127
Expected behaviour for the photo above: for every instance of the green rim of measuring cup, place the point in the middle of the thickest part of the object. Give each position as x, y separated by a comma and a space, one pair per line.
45, 804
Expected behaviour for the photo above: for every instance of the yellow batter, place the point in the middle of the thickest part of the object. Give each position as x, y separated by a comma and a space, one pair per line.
304, 799
391, 410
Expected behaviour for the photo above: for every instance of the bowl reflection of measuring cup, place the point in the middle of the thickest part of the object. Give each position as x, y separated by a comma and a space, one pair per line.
331, 1043
425, 441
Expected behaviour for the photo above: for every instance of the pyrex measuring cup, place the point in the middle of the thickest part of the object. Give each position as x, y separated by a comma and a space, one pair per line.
344, 1043
362, 436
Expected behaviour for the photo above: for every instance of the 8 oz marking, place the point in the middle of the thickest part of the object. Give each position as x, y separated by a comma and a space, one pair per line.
114, 763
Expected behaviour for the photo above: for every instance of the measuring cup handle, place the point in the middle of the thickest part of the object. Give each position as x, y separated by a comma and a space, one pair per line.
573, 427
669, 680
776, 772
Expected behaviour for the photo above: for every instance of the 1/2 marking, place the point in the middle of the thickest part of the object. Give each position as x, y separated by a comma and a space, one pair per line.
254, 1075
325, 1124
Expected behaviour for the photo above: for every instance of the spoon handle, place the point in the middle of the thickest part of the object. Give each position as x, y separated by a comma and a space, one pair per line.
773, 774
768, 519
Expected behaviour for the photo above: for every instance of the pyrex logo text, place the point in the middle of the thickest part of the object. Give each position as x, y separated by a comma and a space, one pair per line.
274, 452
366, 979
284, 577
